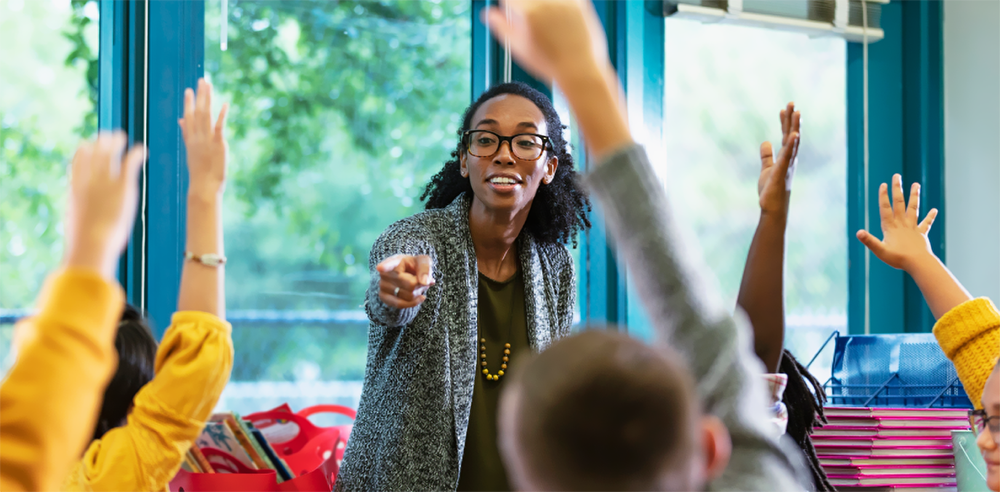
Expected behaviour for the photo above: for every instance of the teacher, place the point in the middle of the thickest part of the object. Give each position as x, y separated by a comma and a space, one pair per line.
460, 293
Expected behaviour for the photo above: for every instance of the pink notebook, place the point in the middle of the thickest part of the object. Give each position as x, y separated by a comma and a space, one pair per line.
854, 431
882, 443
836, 452
836, 422
896, 412
889, 473
912, 480
877, 462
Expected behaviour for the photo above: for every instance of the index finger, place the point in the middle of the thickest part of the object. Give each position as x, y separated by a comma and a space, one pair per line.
424, 267
390, 263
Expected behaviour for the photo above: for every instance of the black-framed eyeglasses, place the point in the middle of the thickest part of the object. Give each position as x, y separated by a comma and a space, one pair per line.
980, 422
524, 146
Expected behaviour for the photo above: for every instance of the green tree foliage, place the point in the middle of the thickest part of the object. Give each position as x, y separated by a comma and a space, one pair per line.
340, 113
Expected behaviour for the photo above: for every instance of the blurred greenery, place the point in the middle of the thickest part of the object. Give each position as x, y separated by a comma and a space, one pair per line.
341, 112
47, 100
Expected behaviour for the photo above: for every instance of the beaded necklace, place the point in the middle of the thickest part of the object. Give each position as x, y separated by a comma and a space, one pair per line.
506, 350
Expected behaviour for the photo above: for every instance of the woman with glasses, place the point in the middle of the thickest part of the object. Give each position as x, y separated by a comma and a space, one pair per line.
460, 293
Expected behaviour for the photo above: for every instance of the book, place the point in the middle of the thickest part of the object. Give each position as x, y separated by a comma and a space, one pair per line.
902, 488
218, 435
282, 468
189, 464
866, 462
896, 412
245, 443
882, 443
916, 480
258, 450
835, 452
896, 422
203, 465
850, 431
849, 472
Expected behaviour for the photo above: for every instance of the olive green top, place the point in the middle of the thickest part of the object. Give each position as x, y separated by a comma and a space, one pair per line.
502, 320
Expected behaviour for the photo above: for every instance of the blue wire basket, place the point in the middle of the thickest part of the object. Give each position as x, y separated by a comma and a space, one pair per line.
904, 370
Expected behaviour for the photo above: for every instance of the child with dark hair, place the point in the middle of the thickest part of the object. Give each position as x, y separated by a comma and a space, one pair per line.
148, 422
582, 414
136, 349
967, 329
796, 396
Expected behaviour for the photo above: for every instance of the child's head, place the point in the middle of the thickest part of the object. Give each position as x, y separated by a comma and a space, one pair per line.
987, 439
603, 411
136, 359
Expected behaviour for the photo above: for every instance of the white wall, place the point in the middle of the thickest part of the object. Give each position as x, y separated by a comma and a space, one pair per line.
972, 143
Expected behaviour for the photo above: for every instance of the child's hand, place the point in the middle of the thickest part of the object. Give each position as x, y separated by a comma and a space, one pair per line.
775, 184
104, 192
551, 39
205, 142
904, 243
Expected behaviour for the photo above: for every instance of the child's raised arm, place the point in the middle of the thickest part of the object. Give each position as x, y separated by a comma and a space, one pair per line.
905, 246
51, 397
195, 358
762, 291
968, 330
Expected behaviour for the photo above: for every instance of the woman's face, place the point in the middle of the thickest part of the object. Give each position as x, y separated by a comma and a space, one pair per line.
503, 182
985, 440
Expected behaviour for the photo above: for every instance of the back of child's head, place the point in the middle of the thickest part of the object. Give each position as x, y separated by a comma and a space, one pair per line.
601, 411
136, 360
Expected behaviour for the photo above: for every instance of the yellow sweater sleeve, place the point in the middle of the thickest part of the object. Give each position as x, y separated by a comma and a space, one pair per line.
50, 399
192, 367
969, 335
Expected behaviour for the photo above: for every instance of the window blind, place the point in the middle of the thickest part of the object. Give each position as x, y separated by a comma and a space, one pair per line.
842, 18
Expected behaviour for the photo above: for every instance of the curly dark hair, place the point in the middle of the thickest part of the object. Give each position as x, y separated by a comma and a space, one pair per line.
559, 209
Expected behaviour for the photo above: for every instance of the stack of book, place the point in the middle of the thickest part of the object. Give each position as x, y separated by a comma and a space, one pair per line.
242, 447
889, 448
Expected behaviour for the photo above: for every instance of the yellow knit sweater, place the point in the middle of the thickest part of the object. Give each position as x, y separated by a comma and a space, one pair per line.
969, 335
192, 367
51, 397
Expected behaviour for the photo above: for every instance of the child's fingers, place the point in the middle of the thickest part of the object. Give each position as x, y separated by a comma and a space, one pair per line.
928, 221
766, 155
871, 242
188, 109
884, 207
220, 124
913, 208
133, 163
785, 124
898, 202
796, 120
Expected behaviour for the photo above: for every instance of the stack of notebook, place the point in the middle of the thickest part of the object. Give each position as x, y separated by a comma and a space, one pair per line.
889, 448
239, 440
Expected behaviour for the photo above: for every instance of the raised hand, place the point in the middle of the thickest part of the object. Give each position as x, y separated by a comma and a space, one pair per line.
104, 192
550, 38
775, 184
404, 280
904, 241
205, 141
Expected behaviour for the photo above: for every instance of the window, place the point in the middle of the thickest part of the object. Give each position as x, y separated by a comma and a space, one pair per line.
341, 113
48, 92
724, 87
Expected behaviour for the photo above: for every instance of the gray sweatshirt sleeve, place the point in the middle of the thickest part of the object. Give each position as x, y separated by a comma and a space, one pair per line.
686, 312
403, 237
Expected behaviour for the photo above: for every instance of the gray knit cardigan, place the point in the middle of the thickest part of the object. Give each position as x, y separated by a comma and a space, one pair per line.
410, 430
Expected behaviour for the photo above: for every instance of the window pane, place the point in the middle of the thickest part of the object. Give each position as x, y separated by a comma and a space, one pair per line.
48, 91
724, 88
341, 113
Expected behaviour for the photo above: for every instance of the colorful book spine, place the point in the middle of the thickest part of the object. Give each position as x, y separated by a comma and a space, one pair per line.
244, 441
200, 459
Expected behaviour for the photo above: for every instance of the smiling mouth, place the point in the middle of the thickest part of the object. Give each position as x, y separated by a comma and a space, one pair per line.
503, 181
